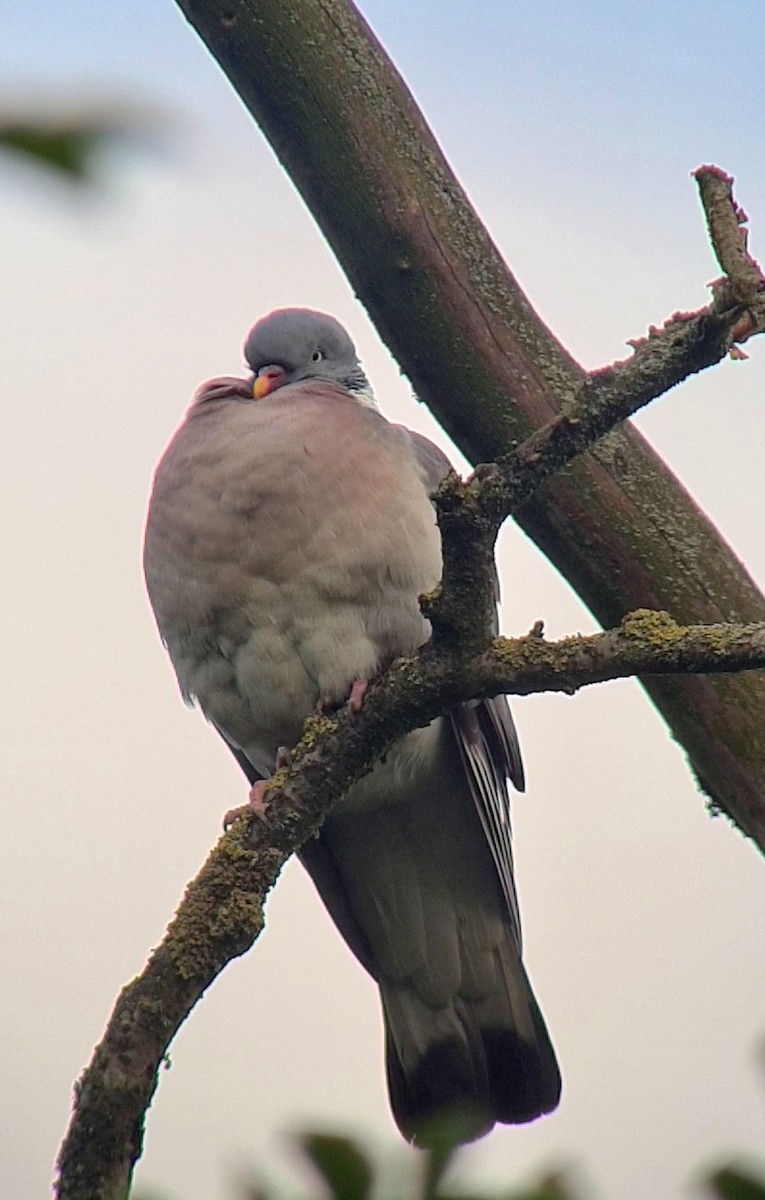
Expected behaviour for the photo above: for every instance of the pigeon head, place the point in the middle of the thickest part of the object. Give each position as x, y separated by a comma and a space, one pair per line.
291, 345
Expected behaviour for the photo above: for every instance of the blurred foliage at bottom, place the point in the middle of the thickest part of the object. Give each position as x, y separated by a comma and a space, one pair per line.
347, 1171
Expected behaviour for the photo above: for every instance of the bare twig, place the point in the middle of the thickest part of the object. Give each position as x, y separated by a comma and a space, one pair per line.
743, 283
727, 220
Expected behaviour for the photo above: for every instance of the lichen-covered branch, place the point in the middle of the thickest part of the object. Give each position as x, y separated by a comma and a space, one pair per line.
646, 642
218, 918
470, 514
221, 913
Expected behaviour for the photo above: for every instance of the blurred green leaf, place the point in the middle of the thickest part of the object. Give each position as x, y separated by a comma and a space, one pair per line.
342, 1164
443, 1138
552, 1187
69, 151
730, 1183
253, 1190
548, 1189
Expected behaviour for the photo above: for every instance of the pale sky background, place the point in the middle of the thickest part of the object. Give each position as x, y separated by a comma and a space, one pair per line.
574, 128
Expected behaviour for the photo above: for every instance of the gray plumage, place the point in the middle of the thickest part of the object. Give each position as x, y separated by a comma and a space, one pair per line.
287, 542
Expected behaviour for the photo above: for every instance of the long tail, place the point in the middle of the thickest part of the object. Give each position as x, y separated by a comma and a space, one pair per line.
478, 1060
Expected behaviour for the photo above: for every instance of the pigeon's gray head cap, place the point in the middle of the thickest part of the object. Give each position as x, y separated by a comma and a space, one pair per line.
307, 345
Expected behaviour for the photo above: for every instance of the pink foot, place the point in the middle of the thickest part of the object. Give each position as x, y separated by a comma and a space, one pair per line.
254, 807
354, 701
356, 695
257, 804
283, 758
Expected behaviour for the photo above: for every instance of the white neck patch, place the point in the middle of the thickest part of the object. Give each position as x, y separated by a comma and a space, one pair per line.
365, 395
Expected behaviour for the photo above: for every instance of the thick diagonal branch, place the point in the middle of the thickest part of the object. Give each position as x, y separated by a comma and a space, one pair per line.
618, 525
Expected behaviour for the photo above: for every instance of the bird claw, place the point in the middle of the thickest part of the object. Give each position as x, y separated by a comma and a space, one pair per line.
357, 694
283, 758
233, 814
354, 701
255, 807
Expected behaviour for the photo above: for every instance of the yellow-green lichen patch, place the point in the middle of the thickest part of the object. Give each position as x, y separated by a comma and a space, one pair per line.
532, 652
222, 911
428, 599
719, 640
152, 1014
652, 629
511, 653
316, 726
274, 784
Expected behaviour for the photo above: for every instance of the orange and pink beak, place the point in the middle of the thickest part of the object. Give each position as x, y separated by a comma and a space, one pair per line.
267, 380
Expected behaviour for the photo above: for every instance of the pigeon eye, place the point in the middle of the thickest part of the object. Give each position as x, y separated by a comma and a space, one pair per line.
317, 356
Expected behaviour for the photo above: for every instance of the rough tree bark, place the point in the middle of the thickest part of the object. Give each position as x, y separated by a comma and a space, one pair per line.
618, 525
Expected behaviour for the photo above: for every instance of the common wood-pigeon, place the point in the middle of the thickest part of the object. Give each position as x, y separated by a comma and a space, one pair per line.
290, 533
